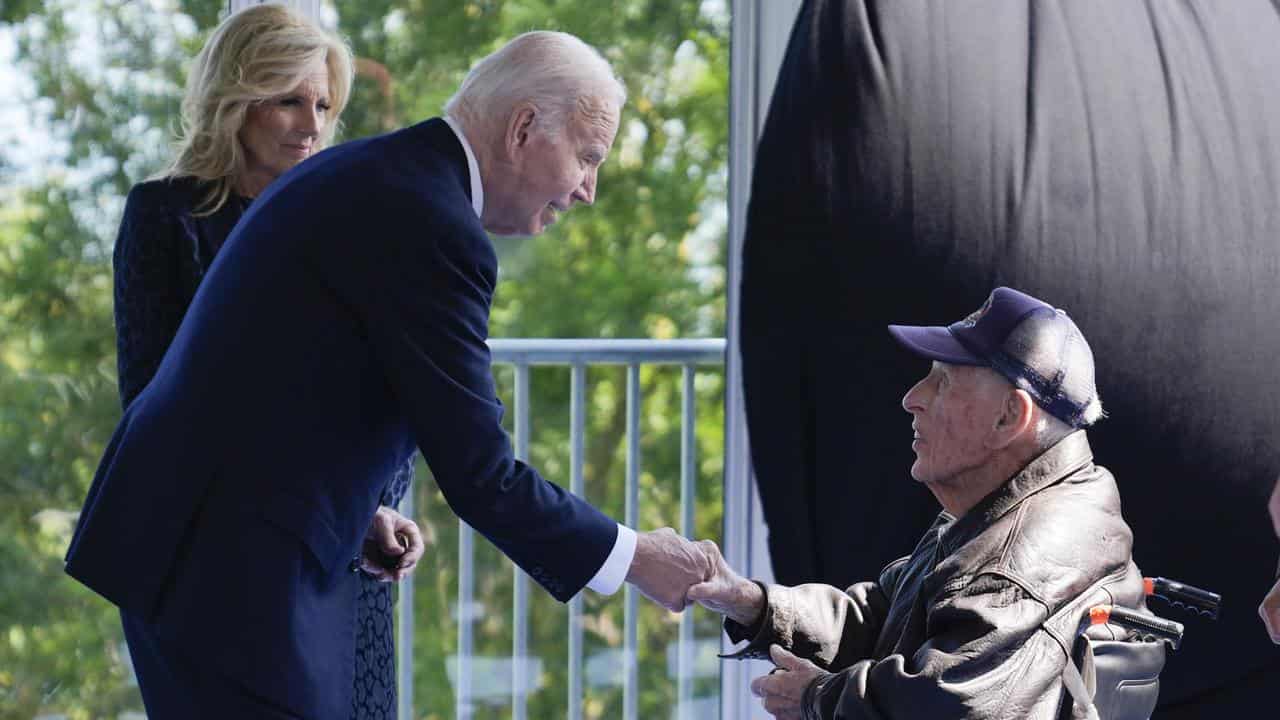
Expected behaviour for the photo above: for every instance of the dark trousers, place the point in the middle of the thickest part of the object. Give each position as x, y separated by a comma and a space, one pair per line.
176, 686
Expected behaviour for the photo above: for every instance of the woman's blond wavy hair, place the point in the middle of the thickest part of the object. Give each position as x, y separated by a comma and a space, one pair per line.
255, 55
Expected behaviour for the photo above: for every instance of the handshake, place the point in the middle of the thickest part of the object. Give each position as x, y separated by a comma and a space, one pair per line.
675, 572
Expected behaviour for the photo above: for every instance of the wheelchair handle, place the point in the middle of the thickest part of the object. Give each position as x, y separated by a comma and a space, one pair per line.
1148, 627
1181, 595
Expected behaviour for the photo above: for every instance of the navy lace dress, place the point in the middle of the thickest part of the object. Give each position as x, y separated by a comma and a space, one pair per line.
161, 254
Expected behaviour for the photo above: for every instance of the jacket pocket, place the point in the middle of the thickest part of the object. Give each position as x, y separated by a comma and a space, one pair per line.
305, 522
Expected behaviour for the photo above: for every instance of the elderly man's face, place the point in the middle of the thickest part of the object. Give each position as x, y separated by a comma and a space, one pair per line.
556, 171
954, 409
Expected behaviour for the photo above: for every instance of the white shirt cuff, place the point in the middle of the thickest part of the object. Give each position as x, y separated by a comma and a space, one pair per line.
613, 573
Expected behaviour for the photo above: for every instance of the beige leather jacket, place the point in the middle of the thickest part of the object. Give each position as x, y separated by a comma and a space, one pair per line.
979, 620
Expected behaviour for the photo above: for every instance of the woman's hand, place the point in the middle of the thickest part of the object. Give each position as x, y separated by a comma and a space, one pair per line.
392, 547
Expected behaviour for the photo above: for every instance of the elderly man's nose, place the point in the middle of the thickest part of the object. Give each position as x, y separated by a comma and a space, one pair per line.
913, 401
586, 192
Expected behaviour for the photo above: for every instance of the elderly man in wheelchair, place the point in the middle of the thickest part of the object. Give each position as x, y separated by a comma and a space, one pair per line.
989, 617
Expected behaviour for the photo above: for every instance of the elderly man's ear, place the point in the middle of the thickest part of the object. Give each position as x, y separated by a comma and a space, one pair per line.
519, 127
1016, 419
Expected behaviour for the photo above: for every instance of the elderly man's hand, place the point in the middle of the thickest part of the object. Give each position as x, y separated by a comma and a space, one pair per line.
726, 592
392, 547
665, 565
782, 690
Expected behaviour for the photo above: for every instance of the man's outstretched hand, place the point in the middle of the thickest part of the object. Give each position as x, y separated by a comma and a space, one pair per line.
726, 592
666, 565
392, 547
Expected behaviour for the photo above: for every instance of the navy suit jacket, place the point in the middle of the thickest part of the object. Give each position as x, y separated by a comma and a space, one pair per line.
343, 322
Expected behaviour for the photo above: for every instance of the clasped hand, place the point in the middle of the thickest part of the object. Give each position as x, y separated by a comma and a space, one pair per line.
666, 565
674, 572
743, 601
392, 547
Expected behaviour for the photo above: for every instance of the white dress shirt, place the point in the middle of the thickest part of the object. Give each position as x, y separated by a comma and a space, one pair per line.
613, 572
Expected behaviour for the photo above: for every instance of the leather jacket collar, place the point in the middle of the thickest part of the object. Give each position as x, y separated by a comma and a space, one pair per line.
1068, 455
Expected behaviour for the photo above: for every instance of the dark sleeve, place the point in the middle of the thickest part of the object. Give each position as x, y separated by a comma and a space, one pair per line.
149, 302
821, 623
983, 648
420, 283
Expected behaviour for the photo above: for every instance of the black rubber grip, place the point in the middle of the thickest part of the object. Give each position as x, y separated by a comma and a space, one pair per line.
1147, 625
1181, 595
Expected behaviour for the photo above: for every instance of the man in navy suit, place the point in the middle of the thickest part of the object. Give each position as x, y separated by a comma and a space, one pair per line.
343, 323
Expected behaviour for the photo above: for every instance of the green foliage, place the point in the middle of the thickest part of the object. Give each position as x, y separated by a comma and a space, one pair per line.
644, 261
16, 10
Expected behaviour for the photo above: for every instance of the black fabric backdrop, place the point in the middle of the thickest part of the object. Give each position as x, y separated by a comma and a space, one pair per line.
1119, 159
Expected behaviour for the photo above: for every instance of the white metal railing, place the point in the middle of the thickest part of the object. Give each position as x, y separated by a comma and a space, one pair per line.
577, 355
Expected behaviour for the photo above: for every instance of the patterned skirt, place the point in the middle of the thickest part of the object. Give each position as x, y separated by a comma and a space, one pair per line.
375, 676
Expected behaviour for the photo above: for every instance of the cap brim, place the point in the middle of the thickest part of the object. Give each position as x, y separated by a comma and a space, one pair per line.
934, 343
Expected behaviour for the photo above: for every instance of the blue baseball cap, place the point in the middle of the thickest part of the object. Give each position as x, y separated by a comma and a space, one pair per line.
1036, 346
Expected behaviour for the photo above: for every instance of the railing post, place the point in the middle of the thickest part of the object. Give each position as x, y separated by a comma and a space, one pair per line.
578, 355
688, 449
630, 650
520, 581
466, 598
404, 628
577, 429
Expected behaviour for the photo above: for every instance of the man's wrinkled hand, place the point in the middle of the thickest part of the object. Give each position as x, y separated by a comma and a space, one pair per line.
1270, 612
392, 547
726, 592
782, 690
665, 566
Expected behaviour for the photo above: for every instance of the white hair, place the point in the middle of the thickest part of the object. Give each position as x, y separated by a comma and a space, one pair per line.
1093, 412
556, 72
1049, 430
